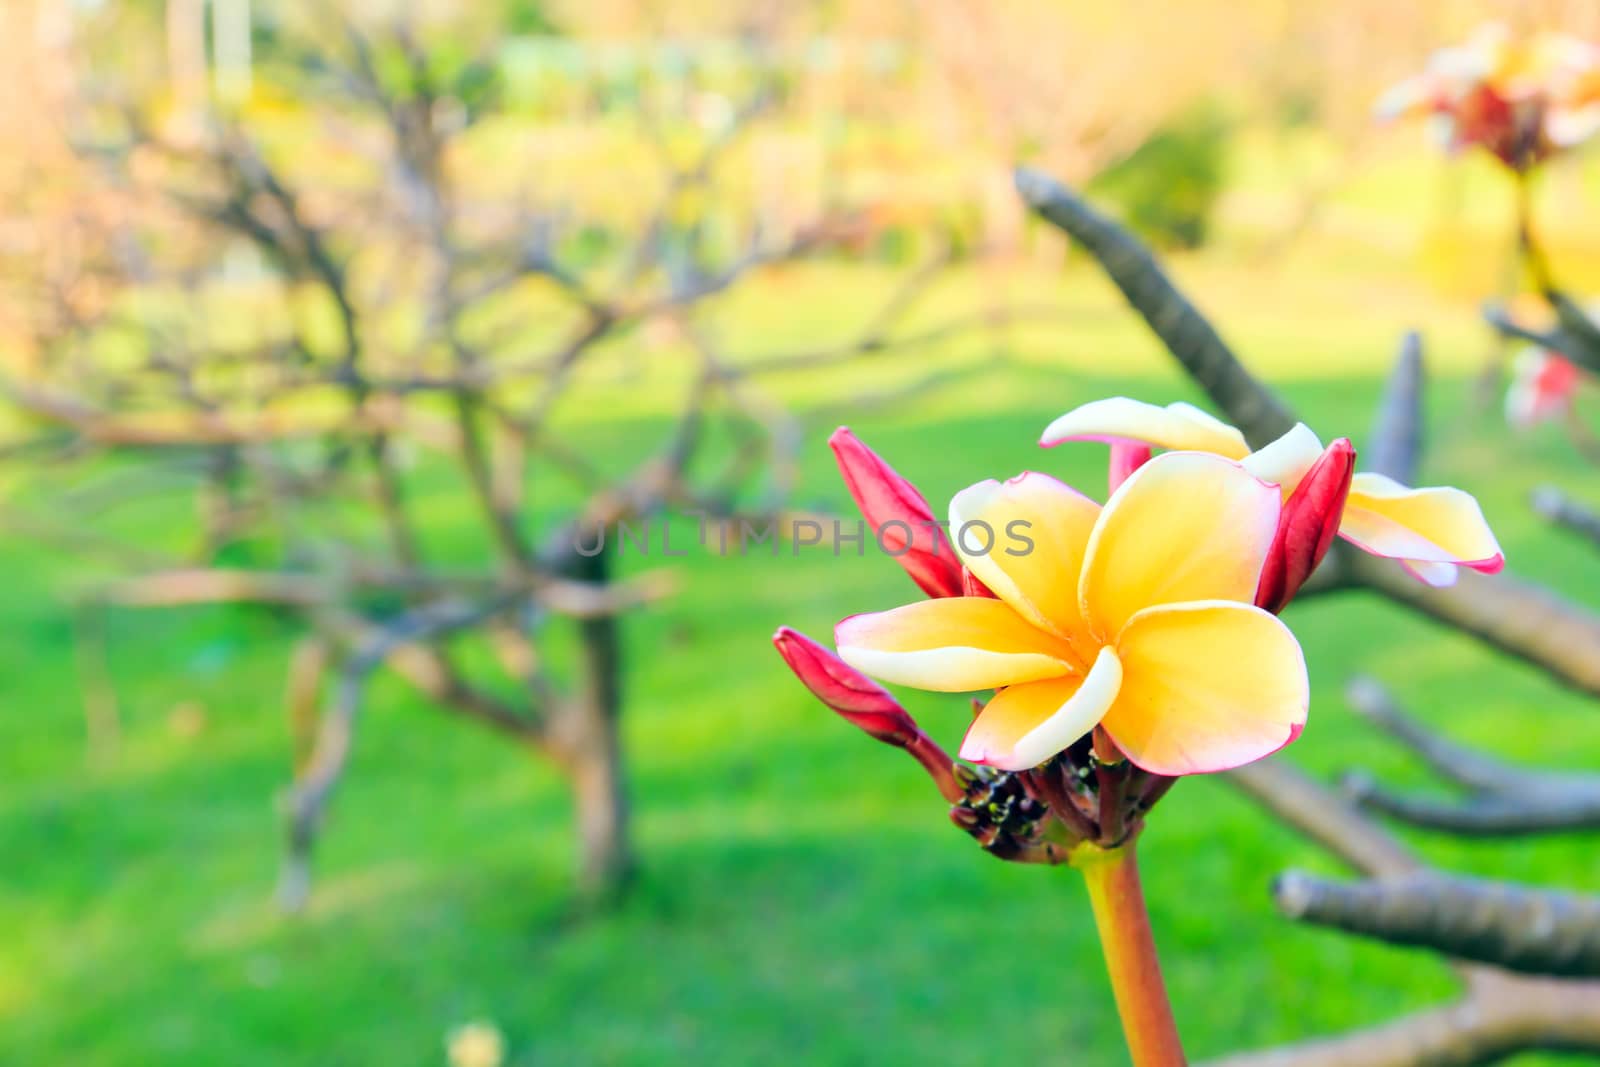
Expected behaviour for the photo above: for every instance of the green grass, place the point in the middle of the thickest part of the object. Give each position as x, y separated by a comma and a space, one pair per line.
803, 898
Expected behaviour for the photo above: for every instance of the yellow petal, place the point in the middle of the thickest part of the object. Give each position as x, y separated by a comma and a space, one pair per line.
1186, 526
1025, 540
951, 645
1285, 461
1176, 426
1207, 686
1432, 525
1024, 725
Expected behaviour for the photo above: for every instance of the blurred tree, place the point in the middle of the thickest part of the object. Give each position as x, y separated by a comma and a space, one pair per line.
1169, 185
357, 279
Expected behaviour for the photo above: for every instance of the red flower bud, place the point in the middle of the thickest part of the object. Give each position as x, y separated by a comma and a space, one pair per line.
1126, 457
1306, 526
857, 698
867, 705
971, 586
899, 516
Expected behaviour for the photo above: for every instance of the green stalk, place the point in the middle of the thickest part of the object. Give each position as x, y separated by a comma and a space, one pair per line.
1112, 876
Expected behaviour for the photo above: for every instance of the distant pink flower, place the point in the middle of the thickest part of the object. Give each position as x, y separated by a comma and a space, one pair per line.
1521, 99
1542, 388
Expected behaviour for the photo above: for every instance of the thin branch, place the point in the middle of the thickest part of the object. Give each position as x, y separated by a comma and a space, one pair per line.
1324, 816
1574, 346
1557, 507
1467, 767
565, 596
1485, 815
307, 801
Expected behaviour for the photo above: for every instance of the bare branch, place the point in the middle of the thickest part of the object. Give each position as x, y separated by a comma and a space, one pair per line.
1396, 441
1323, 816
1534, 930
1251, 406
1483, 815
1503, 1015
1557, 507
565, 596
1575, 346
307, 801
1517, 617
1457, 763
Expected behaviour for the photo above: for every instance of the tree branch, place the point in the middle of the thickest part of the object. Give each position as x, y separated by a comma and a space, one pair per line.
1518, 618
1534, 930
1504, 1015
1395, 444
1323, 816
1557, 507
1467, 767
1251, 406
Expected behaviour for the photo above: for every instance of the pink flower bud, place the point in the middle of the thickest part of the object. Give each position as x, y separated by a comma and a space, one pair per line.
899, 516
1126, 457
971, 586
857, 698
1306, 526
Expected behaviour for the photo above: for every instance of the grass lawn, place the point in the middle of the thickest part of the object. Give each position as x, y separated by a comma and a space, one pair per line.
803, 899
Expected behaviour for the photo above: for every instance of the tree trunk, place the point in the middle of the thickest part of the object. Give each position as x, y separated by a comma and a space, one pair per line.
599, 784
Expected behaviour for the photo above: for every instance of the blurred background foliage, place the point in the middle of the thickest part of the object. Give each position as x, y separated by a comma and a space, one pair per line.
800, 896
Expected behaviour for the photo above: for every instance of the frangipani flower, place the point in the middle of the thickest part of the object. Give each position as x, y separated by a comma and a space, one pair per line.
1521, 99
1431, 531
1542, 388
1135, 617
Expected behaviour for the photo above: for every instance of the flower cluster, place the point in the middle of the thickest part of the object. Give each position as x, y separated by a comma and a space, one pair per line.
1149, 622
1521, 99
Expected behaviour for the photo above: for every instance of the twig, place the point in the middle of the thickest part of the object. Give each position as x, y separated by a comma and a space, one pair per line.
1557, 507
308, 798
1487, 815
1370, 699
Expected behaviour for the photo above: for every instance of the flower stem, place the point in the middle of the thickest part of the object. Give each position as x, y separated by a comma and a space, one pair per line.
1532, 253
1112, 876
